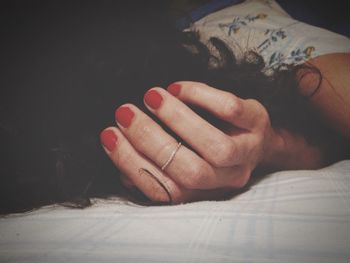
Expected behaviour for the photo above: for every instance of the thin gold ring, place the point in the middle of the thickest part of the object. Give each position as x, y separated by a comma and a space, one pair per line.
143, 171
171, 156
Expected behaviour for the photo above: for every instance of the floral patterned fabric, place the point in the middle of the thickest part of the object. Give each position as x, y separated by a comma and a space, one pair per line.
264, 27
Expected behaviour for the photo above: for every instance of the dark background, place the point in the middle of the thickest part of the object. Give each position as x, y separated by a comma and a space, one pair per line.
59, 61
332, 15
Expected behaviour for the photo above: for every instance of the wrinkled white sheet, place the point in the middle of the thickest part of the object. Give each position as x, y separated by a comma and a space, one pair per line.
291, 216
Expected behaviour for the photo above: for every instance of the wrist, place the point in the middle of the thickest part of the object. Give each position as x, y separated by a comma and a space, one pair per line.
274, 146
288, 151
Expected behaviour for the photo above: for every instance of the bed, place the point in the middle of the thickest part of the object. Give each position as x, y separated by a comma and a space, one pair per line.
289, 216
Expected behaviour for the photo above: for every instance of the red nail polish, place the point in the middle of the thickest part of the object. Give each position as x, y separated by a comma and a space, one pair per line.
153, 99
174, 89
108, 139
124, 116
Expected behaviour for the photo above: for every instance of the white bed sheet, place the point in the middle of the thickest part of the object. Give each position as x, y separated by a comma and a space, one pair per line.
291, 216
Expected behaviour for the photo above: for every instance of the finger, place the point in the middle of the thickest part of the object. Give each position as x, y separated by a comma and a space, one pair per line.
212, 144
126, 158
148, 138
156, 186
126, 181
224, 105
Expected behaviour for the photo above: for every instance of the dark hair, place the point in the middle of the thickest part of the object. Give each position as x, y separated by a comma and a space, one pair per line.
67, 67
76, 64
278, 91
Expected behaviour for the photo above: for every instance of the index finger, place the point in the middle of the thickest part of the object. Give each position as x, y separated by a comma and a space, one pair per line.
224, 105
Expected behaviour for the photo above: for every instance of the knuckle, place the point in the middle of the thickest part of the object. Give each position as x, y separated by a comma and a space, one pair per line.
177, 114
123, 158
192, 89
265, 121
196, 176
264, 116
258, 138
222, 154
142, 133
242, 179
232, 107
261, 113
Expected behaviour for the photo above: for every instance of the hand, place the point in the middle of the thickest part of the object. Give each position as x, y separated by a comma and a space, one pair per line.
218, 161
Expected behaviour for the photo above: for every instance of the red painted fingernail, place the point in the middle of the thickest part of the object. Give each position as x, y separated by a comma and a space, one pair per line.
108, 139
124, 116
153, 99
174, 89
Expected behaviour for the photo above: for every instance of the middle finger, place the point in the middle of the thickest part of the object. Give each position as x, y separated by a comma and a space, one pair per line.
211, 143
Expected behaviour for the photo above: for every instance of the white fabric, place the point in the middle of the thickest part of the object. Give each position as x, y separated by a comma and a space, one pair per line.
264, 27
290, 216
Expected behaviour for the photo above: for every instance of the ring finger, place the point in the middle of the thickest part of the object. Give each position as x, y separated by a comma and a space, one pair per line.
138, 171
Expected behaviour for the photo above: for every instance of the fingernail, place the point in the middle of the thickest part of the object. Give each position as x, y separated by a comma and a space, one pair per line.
174, 89
153, 99
109, 139
124, 116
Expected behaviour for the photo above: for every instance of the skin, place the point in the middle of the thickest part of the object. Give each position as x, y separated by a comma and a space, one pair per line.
332, 100
220, 161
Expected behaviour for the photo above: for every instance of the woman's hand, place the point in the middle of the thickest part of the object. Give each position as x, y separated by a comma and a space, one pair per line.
217, 162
